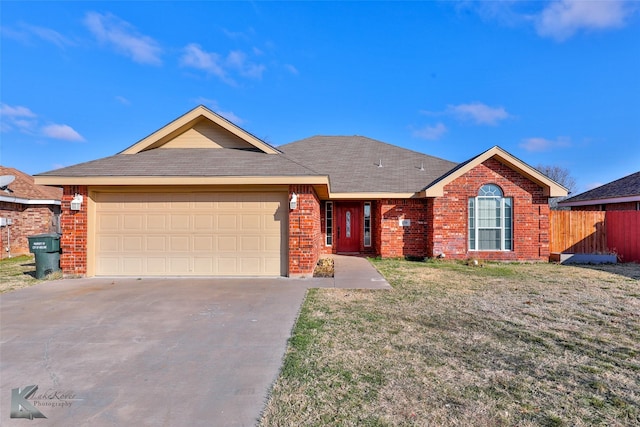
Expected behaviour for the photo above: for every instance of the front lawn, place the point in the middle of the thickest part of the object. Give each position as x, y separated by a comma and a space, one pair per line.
458, 345
20, 272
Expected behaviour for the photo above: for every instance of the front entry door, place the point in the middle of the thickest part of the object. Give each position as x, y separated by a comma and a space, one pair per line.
348, 231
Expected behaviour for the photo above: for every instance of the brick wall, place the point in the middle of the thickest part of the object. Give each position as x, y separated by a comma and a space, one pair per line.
73, 242
447, 216
393, 240
305, 235
28, 220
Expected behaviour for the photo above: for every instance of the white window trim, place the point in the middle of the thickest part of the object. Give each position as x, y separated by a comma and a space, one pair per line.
328, 238
364, 225
502, 228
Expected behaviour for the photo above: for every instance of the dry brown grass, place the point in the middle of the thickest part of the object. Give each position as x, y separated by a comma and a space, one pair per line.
456, 345
20, 272
324, 268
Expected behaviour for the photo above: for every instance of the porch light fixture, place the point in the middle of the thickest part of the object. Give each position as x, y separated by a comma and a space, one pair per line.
293, 203
76, 203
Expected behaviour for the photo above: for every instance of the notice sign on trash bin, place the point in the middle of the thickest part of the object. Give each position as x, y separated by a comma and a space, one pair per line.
39, 246
44, 243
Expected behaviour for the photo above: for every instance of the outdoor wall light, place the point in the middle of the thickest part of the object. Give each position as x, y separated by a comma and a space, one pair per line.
76, 203
293, 203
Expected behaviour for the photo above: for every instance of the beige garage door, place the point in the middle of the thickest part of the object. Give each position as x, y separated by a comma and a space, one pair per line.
191, 234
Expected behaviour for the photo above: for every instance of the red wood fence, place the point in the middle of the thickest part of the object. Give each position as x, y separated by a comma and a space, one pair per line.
623, 234
591, 232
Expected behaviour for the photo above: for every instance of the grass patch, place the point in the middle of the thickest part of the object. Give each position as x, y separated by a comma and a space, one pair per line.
454, 344
20, 272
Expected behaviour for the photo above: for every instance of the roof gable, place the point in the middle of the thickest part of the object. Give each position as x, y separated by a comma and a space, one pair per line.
201, 128
550, 187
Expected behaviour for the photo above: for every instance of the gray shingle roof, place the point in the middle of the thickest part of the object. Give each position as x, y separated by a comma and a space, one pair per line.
352, 163
187, 162
624, 187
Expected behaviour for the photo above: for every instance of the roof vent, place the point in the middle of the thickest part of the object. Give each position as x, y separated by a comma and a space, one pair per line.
422, 166
379, 163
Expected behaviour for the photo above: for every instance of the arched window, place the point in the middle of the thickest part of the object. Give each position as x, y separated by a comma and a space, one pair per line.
490, 220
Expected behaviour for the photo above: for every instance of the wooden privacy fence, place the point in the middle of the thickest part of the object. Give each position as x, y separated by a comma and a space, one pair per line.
591, 232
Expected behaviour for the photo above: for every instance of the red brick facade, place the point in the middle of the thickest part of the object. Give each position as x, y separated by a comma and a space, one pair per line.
448, 215
393, 239
305, 235
27, 220
432, 226
73, 242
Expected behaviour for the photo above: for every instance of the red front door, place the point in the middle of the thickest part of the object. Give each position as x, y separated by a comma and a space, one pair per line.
348, 231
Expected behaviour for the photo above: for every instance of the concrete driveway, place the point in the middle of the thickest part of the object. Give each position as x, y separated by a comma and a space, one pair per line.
156, 352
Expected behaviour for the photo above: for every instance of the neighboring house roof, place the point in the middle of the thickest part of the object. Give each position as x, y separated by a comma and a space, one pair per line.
549, 186
626, 189
24, 190
356, 164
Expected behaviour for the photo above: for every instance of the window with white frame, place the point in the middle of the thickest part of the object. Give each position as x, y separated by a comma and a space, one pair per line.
367, 224
328, 223
490, 220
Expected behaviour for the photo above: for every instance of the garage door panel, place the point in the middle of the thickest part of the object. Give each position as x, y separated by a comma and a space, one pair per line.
179, 244
203, 244
250, 222
203, 265
191, 233
108, 244
108, 222
227, 222
272, 244
180, 222
227, 243
251, 265
249, 243
179, 265
132, 265
106, 263
272, 264
156, 243
133, 222
156, 265
203, 222
132, 243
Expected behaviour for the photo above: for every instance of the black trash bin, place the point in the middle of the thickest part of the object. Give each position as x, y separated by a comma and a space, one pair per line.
46, 248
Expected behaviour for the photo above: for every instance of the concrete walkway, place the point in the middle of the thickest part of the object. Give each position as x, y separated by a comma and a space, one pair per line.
352, 272
153, 351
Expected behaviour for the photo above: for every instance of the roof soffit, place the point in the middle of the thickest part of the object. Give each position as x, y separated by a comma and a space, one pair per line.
191, 119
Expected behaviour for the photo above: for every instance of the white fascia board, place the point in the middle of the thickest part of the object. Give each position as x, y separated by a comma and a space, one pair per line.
625, 199
29, 201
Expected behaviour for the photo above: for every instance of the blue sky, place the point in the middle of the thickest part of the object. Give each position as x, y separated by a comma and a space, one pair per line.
554, 83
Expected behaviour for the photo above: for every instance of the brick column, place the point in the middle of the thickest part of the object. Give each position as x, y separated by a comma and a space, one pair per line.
73, 260
305, 235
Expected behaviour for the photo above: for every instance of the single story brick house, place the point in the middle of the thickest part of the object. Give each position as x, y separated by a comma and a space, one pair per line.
202, 196
25, 209
620, 195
